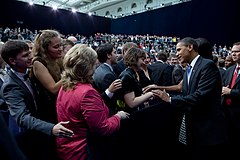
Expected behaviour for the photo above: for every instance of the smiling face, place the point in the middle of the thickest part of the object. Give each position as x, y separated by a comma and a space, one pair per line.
55, 48
141, 63
183, 52
22, 61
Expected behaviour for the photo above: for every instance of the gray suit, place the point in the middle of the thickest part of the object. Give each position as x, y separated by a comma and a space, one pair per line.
33, 139
103, 77
21, 105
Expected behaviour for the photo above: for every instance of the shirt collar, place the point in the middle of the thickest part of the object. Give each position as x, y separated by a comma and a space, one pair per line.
194, 61
109, 66
19, 74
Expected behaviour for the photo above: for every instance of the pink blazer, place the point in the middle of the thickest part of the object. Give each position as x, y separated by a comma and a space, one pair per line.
85, 110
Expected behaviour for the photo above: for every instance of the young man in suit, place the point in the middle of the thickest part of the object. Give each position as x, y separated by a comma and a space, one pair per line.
231, 102
35, 136
104, 75
105, 82
202, 133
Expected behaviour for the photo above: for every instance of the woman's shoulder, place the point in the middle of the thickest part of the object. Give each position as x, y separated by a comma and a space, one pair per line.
85, 88
39, 59
127, 73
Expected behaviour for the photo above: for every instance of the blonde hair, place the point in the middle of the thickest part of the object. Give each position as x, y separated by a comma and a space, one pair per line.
42, 40
79, 65
40, 50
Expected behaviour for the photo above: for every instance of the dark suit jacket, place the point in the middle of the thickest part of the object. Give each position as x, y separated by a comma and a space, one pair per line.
177, 74
3, 106
201, 103
119, 67
235, 92
160, 73
233, 110
222, 72
102, 79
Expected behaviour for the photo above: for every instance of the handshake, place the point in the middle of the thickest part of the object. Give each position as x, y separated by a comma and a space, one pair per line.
157, 91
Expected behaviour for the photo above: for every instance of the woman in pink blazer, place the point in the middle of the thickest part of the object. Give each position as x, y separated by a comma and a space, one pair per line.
79, 103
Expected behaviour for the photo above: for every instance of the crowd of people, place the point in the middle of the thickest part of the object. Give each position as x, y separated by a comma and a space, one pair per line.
110, 97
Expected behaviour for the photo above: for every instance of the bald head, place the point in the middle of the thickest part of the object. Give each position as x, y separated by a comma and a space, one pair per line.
73, 39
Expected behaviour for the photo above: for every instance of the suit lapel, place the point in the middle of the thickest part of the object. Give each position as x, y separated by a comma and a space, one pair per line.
193, 74
108, 68
230, 75
237, 80
20, 83
185, 84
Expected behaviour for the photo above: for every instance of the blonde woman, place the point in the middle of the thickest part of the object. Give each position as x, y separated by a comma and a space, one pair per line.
46, 71
82, 105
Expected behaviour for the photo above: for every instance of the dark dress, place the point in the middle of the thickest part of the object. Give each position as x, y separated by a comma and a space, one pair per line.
129, 84
47, 99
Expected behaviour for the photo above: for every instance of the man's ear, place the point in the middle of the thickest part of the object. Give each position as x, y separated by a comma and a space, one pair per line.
12, 61
109, 55
190, 47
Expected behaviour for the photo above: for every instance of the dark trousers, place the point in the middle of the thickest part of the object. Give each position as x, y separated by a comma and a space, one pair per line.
37, 146
202, 152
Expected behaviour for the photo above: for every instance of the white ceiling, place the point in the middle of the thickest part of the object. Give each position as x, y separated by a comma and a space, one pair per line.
76, 4
101, 7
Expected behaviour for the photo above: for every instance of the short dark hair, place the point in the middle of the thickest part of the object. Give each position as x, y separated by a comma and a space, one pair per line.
190, 41
204, 48
12, 48
221, 63
162, 56
103, 50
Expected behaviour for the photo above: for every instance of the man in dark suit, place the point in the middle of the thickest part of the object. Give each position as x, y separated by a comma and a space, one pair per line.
35, 136
231, 102
178, 72
160, 72
202, 132
105, 82
104, 75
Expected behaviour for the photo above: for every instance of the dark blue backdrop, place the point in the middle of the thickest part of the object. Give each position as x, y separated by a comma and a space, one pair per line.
41, 17
216, 20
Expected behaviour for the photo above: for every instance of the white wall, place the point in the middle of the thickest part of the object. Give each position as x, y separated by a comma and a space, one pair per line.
126, 7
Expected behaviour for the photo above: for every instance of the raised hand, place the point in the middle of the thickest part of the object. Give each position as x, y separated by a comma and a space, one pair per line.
115, 85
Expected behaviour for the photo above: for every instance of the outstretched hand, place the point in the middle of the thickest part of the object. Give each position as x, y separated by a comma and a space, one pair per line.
60, 131
149, 88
